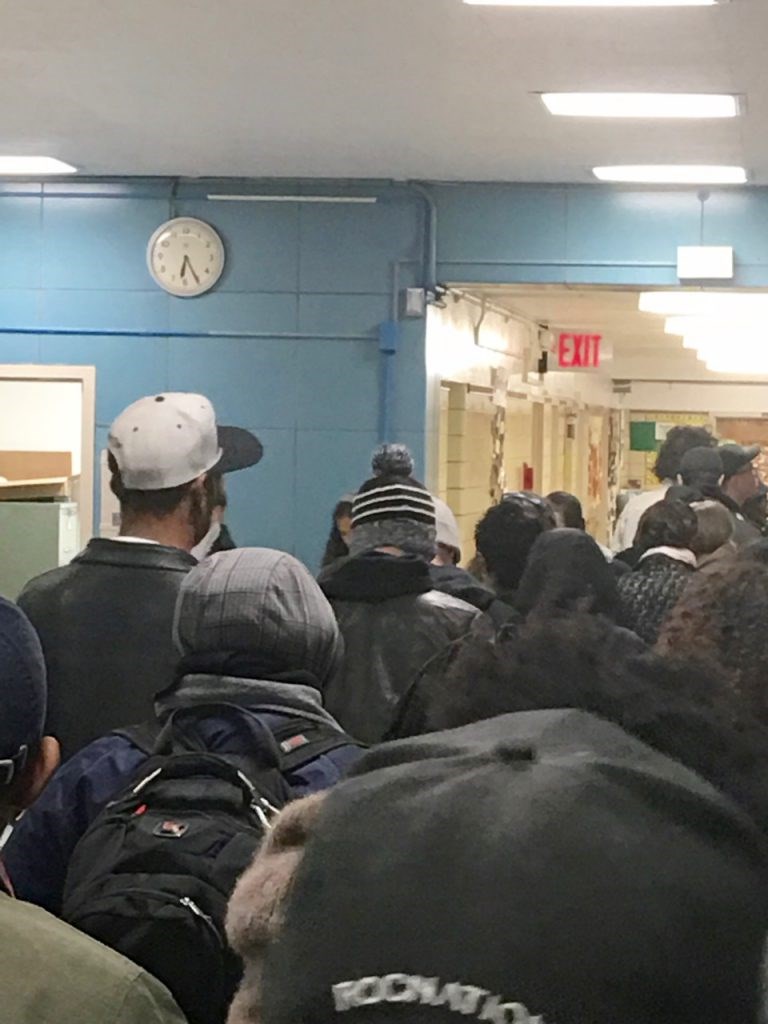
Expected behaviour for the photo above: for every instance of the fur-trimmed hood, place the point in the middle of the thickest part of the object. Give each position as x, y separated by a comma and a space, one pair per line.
255, 914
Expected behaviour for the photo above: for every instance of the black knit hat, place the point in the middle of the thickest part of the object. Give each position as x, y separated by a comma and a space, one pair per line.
543, 865
393, 508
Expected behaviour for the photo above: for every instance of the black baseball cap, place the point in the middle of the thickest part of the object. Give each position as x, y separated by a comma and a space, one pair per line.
542, 866
23, 690
240, 449
701, 462
736, 457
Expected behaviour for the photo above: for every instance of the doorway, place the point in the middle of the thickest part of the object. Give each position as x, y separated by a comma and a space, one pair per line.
47, 426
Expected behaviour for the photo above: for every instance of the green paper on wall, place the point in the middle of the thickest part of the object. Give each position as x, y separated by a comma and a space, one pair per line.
642, 437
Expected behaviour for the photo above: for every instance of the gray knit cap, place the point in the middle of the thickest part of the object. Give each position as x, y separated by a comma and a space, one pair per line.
258, 602
392, 509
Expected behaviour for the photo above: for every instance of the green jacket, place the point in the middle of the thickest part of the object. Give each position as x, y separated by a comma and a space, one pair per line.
51, 973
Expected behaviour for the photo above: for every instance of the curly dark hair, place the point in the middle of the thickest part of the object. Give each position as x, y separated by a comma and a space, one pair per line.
721, 617
680, 440
508, 531
567, 571
667, 523
682, 708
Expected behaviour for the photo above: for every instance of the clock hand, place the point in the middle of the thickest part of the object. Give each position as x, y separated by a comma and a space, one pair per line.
184, 262
192, 269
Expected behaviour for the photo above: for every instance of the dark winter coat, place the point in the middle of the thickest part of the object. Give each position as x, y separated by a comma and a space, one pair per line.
453, 580
105, 622
744, 531
392, 622
650, 592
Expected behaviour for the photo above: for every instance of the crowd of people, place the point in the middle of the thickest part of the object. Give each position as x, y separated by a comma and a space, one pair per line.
533, 789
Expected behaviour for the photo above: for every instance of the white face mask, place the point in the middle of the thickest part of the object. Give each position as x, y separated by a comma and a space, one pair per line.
201, 550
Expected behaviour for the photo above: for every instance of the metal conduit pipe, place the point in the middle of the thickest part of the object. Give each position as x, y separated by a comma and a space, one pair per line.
119, 332
388, 333
430, 242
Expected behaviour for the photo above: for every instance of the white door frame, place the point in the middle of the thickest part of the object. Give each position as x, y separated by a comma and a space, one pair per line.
86, 377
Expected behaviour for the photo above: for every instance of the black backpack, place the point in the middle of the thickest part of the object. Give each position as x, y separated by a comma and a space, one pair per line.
152, 875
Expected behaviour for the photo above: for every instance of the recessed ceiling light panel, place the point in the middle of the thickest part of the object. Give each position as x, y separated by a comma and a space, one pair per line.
640, 104
596, 3
672, 174
740, 306
42, 165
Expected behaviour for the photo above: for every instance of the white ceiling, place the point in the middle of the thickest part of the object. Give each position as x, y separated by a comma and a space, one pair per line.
636, 344
612, 313
367, 88
635, 341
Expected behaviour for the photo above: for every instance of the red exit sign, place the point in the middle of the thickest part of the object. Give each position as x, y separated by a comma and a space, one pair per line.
578, 351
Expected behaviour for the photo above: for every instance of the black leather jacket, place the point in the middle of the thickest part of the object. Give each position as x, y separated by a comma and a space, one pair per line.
392, 622
105, 622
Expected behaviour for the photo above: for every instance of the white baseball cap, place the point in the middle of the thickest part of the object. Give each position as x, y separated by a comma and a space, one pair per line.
171, 439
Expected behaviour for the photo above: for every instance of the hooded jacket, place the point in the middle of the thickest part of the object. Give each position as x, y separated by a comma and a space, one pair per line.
393, 622
256, 634
105, 625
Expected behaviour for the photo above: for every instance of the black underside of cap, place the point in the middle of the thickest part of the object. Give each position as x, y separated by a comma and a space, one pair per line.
240, 449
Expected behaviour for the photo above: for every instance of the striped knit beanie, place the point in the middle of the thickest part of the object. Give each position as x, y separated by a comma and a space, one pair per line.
392, 509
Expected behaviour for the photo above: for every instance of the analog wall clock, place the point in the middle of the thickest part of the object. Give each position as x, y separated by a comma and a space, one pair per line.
186, 256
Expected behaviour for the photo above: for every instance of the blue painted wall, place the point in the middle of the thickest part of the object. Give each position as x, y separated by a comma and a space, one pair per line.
74, 257
594, 234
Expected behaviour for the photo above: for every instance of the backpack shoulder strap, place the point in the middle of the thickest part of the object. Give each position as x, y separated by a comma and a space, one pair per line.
301, 740
298, 740
143, 736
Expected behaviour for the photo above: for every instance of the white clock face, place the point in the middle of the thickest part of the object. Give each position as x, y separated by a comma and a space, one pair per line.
185, 256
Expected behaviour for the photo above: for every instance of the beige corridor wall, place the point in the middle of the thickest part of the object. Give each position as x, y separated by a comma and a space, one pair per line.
546, 422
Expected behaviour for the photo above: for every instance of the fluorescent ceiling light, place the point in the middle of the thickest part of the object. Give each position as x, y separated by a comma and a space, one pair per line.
724, 362
682, 326
737, 355
34, 165
595, 3
719, 305
640, 104
673, 174
226, 198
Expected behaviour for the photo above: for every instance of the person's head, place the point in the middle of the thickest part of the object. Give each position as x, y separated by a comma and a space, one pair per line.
448, 537
714, 527
342, 518
533, 868
393, 511
679, 440
684, 708
28, 758
567, 571
506, 534
741, 477
337, 545
669, 524
166, 458
722, 617
756, 508
567, 509
701, 469
258, 611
